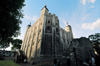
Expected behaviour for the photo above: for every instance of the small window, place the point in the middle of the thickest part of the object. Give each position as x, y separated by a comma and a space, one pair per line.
41, 23
48, 22
57, 41
63, 40
56, 29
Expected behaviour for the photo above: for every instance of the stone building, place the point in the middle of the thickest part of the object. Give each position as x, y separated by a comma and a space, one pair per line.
45, 38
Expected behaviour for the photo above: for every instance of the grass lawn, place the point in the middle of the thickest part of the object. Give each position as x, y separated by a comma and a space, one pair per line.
8, 63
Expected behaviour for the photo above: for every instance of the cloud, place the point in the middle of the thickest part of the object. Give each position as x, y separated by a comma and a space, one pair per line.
91, 26
84, 1
92, 1
86, 16
64, 21
34, 18
91, 6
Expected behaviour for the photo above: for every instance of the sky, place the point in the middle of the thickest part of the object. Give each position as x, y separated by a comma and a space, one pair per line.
82, 15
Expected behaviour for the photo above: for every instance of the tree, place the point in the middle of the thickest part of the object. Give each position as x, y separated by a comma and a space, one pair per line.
5, 43
10, 19
95, 39
16, 43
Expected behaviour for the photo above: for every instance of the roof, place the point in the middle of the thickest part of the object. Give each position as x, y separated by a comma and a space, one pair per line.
45, 7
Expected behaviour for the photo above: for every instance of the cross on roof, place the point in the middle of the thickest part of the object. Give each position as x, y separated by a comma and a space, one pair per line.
67, 22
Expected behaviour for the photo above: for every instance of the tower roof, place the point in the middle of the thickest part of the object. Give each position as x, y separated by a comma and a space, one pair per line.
45, 7
29, 24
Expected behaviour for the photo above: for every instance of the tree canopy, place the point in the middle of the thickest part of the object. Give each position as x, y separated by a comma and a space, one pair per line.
10, 18
16, 43
95, 39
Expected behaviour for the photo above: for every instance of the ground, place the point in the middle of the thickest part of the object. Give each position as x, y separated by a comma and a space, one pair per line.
48, 62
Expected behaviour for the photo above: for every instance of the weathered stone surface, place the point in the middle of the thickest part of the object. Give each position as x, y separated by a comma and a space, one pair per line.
80, 49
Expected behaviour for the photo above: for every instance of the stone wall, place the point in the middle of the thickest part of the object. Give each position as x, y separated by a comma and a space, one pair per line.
80, 50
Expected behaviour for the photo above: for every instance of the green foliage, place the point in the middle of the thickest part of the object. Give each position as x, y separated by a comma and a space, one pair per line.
16, 43
95, 39
5, 43
10, 18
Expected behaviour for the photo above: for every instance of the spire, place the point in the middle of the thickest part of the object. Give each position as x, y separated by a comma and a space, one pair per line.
67, 22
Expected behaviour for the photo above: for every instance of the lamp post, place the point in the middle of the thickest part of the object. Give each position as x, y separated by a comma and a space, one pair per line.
75, 56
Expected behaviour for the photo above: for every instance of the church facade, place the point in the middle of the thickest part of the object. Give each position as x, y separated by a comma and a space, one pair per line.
45, 38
